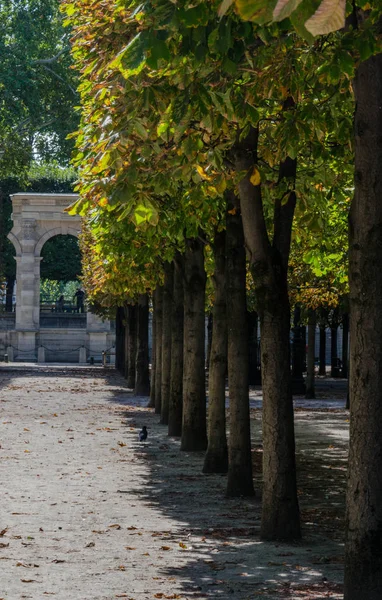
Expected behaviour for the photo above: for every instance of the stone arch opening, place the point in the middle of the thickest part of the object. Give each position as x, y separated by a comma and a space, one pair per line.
60, 270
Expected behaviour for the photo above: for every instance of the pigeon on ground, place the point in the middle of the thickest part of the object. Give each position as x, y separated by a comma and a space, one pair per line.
143, 434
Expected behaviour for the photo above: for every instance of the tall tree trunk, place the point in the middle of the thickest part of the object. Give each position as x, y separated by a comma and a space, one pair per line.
269, 264
176, 383
209, 339
310, 391
158, 293
363, 557
168, 290
153, 366
345, 345
131, 331
194, 434
240, 481
120, 333
10, 284
142, 378
322, 353
216, 458
253, 373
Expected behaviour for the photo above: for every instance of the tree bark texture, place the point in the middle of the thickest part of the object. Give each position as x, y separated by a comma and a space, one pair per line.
158, 294
194, 430
142, 377
177, 332
153, 342
131, 332
168, 290
269, 263
239, 481
310, 387
254, 371
216, 458
363, 556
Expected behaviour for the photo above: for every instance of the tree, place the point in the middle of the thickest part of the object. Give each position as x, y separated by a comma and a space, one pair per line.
37, 85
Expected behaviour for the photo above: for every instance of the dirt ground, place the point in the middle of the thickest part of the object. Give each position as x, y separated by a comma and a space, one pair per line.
89, 513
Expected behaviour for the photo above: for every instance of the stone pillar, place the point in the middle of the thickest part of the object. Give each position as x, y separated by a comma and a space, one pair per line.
82, 356
28, 292
10, 353
97, 331
41, 354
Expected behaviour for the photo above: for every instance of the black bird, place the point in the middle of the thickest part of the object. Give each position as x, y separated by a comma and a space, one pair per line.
143, 434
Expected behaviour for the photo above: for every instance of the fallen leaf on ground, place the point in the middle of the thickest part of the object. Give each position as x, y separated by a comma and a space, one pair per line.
165, 548
131, 528
130, 548
121, 444
3, 531
3, 545
29, 580
114, 526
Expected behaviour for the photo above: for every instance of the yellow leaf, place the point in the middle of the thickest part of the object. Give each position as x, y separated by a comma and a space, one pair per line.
182, 545
255, 178
202, 174
232, 211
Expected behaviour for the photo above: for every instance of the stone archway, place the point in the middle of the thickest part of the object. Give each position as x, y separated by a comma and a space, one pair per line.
36, 219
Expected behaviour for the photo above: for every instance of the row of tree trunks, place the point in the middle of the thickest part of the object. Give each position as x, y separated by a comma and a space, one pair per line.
132, 326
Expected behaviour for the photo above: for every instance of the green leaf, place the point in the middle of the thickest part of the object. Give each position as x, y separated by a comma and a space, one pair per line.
224, 7
330, 16
284, 9
259, 11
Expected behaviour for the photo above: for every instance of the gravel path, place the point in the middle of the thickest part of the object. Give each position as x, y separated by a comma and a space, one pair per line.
87, 512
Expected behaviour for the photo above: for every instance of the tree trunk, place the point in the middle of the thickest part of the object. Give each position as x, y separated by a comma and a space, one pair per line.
168, 290
269, 265
125, 341
363, 557
142, 378
194, 434
153, 341
310, 391
239, 482
176, 383
158, 293
131, 332
322, 367
209, 339
120, 333
216, 458
253, 373
345, 345
9, 294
